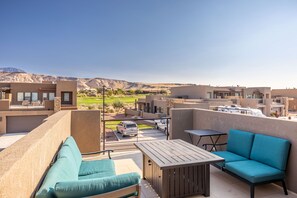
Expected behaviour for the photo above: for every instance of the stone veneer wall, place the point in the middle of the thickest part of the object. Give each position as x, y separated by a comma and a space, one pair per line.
204, 119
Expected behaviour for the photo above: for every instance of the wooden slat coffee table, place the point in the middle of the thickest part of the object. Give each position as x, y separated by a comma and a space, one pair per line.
175, 168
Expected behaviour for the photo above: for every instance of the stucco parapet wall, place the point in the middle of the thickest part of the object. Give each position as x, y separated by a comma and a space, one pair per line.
24, 163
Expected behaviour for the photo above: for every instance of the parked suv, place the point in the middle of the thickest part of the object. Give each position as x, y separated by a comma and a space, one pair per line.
127, 128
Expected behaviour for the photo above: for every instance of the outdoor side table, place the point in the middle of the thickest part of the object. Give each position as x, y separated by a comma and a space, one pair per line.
205, 133
175, 168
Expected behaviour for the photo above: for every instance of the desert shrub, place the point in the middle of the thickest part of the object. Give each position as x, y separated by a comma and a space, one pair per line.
81, 95
110, 109
117, 104
92, 107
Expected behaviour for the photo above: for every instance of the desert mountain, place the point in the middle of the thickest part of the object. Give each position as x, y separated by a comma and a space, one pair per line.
8, 74
11, 69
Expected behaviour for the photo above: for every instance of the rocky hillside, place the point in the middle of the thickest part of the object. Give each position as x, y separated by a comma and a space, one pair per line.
15, 75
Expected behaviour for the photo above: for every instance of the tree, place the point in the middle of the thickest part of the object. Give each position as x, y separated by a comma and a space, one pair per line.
119, 92
131, 92
100, 90
109, 92
138, 91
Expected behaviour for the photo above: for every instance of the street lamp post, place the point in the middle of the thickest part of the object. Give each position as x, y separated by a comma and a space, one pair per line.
103, 116
103, 101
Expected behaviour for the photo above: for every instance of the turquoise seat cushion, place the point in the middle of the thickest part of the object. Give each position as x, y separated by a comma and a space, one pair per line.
240, 142
97, 166
74, 148
65, 152
229, 157
89, 187
97, 175
57, 173
272, 151
254, 171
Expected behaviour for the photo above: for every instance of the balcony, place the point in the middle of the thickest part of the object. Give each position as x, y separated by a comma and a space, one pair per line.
24, 164
221, 183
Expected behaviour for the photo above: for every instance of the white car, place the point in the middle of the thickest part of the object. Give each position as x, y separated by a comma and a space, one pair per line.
161, 124
127, 128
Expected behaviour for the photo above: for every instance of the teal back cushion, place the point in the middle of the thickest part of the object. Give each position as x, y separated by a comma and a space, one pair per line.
240, 142
66, 152
272, 151
73, 146
62, 171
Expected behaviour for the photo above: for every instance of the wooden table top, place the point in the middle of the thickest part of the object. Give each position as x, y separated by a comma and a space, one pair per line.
205, 132
176, 153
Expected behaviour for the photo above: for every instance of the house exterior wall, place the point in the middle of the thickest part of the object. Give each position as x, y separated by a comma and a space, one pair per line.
192, 92
161, 106
182, 119
265, 91
30, 87
291, 93
67, 86
40, 88
191, 105
293, 104
11, 90
249, 102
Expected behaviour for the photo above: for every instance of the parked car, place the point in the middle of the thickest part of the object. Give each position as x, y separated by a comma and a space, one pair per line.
161, 124
127, 128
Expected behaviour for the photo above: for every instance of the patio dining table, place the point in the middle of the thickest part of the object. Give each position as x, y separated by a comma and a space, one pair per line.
176, 168
201, 133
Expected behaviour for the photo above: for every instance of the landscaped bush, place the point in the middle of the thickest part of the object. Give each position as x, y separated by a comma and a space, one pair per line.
118, 104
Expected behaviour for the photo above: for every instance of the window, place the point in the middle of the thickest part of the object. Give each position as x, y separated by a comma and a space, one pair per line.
34, 96
44, 96
20, 96
66, 97
28, 96
51, 96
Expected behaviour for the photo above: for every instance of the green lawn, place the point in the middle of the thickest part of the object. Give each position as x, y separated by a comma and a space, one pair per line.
113, 125
128, 99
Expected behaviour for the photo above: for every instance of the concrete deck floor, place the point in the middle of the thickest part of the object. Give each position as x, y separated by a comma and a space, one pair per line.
222, 185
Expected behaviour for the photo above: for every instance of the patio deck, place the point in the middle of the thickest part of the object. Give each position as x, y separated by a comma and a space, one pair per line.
221, 184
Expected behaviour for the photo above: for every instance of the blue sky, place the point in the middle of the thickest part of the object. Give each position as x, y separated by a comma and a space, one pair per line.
249, 43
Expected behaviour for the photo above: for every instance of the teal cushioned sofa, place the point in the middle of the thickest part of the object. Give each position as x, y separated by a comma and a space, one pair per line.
239, 146
255, 158
70, 176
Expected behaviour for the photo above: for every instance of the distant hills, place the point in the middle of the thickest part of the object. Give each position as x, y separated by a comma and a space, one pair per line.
10, 74
11, 70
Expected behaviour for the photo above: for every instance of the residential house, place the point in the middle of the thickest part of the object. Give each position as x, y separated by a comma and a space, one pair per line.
210, 97
28, 104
